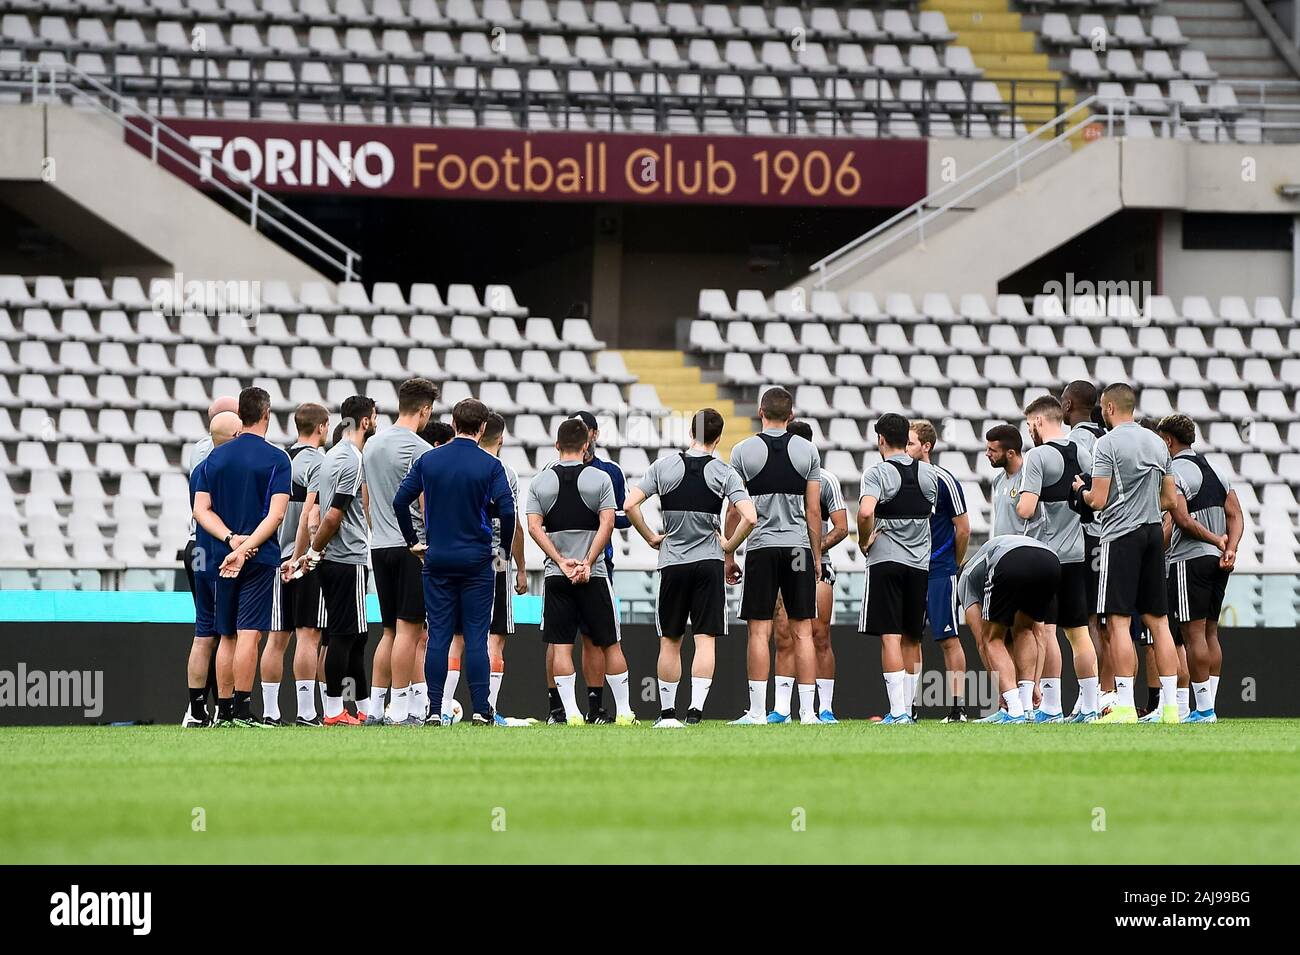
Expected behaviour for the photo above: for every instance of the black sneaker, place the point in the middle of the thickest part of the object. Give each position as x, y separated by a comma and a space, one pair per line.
223, 722
555, 718
272, 721
916, 718
599, 718
478, 719
248, 721
693, 717
957, 715
303, 721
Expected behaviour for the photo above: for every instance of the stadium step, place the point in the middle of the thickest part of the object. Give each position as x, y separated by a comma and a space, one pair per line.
683, 391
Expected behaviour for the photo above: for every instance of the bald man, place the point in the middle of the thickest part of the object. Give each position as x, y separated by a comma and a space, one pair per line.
224, 426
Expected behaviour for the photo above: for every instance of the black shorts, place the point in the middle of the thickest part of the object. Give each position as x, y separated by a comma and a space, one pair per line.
1026, 581
1196, 588
344, 587
503, 606
399, 584
570, 609
1133, 574
1070, 608
789, 571
696, 591
298, 603
1092, 570
894, 599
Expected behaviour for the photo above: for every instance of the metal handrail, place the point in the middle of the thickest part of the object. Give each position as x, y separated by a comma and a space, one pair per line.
165, 141
917, 209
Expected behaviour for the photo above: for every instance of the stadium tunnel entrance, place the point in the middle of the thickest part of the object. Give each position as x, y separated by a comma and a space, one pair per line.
631, 269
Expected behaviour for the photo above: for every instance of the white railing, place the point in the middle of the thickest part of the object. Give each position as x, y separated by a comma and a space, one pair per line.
914, 219
67, 83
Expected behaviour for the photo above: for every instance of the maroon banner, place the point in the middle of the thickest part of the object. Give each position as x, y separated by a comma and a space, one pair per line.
560, 166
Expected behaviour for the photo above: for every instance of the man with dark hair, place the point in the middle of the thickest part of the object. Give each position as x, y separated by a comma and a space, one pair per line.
296, 605
503, 614
387, 459
1132, 485
463, 488
1044, 503
949, 535
240, 499
570, 517
1006, 589
835, 527
783, 557
1203, 532
201, 671
895, 503
1003, 451
692, 487
340, 547
437, 433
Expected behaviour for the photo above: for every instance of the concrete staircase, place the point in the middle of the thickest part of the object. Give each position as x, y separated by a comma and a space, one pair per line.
681, 388
1000, 46
1230, 37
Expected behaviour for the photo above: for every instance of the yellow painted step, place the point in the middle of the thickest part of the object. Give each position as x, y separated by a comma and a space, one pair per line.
1001, 41
681, 389
987, 6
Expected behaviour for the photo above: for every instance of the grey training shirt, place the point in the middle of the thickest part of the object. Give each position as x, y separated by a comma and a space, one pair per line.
1136, 461
977, 576
1187, 479
388, 457
342, 473
1006, 491
597, 492
902, 540
691, 536
782, 518
513, 480
302, 473
202, 448
832, 499
1053, 522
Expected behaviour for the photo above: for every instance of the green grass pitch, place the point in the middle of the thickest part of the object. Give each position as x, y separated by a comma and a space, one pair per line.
856, 792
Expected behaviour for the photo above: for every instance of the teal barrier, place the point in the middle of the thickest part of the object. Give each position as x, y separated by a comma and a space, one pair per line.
144, 606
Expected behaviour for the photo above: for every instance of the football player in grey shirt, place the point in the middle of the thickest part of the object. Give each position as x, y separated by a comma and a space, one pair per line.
1004, 449
571, 511
835, 527
399, 577
1046, 485
692, 487
341, 548
296, 605
1204, 530
783, 554
1132, 485
1005, 589
895, 503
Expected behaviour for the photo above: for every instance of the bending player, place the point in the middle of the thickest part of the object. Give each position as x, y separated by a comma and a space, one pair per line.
692, 487
1006, 589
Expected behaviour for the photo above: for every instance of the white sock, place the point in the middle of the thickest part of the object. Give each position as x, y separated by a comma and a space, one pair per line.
896, 687
618, 688
1204, 698
807, 700
757, 698
1088, 695
910, 680
826, 694
271, 700
1169, 691
667, 695
333, 706
399, 705
784, 688
700, 691
1214, 690
1026, 688
321, 685
1184, 703
1014, 699
494, 687
449, 690
565, 685
377, 694
1051, 695
307, 699
1124, 690
419, 702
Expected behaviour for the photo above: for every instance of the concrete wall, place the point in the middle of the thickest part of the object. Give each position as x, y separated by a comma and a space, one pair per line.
1218, 272
93, 168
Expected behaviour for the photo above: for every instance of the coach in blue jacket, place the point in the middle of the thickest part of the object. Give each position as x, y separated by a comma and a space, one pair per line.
464, 487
